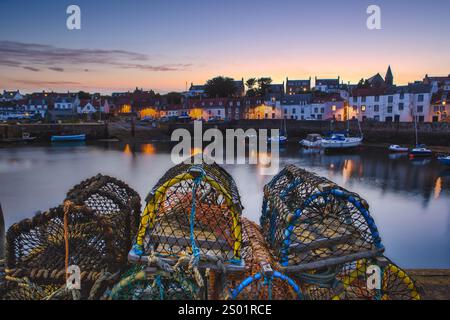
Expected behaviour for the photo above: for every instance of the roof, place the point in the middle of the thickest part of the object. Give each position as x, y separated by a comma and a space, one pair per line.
414, 88
327, 82
298, 82
296, 99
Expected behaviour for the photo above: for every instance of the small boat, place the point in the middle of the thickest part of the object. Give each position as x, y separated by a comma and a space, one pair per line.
420, 151
280, 139
313, 140
340, 141
445, 160
397, 148
25, 138
77, 137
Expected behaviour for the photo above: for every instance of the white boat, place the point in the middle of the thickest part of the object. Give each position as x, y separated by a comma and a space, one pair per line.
421, 151
312, 141
340, 141
280, 139
397, 148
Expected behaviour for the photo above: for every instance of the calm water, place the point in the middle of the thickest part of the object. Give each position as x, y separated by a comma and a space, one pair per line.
410, 201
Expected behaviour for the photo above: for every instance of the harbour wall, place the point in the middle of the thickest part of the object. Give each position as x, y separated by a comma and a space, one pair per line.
437, 134
433, 134
43, 132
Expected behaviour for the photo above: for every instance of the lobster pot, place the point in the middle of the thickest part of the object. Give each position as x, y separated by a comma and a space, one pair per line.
193, 209
260, 281
36, 250
374, 279
138, 284
117, 214
123, 193
312, 223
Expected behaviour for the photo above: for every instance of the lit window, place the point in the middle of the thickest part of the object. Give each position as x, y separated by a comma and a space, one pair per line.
363, 108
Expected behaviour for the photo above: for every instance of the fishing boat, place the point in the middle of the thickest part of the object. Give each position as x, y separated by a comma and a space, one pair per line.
282, 138
445, 160
341, 141
313, 140
420, 151
77, 137
397, 148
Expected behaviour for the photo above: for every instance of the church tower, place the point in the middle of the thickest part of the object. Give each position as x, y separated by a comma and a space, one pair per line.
389, 79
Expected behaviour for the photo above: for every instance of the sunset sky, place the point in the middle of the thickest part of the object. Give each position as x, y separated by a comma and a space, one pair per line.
161, 45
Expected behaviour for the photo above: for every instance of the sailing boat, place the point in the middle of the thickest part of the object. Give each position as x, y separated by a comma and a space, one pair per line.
282, 138
420, 150
339, 141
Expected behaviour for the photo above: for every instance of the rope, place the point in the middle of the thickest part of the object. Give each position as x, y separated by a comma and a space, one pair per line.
67, 207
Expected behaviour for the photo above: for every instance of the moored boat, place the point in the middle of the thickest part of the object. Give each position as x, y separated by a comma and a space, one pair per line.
420, 151
397, 148
340, 141
312, 141
445, 160
77, 137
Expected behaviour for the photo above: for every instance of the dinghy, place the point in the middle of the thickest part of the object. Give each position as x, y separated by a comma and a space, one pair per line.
397, 148
445, 160
312, 141
78, 137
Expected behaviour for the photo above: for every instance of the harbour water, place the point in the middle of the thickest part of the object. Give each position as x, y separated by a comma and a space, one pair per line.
409, 200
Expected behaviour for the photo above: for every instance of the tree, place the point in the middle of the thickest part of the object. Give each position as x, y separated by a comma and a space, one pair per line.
173, 98
84, 95
220, 87
251, 83
263, 84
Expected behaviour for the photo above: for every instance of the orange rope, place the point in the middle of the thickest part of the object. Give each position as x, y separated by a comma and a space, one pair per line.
67, 207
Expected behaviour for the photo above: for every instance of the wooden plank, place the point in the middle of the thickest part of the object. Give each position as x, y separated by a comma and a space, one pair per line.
218, 244
321, 243
332, 261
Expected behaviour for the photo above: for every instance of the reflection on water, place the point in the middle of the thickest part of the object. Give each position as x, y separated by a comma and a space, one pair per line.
409, 199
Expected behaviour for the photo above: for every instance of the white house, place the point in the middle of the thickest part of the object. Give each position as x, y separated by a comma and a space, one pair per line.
396, 103
37, 106
11, 95
86, 108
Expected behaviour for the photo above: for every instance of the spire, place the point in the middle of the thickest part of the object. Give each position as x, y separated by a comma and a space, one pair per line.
389, 79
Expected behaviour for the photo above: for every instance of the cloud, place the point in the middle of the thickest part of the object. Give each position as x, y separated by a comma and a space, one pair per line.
57, 69
44, 83
31, 69
18, 54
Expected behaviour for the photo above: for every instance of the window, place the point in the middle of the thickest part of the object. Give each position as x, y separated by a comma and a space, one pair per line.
377, 98
420, 98
293, 111
376, 118
389, 109
363, 108
319, 117
388, 119
316, 110
363, 99
218, 112
421, 118
402, 96
401, 106
419, 108
322, 110
355, 99
376, 108
333, 108
391, 99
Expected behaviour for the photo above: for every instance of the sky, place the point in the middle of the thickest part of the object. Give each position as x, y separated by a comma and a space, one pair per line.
162, 45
